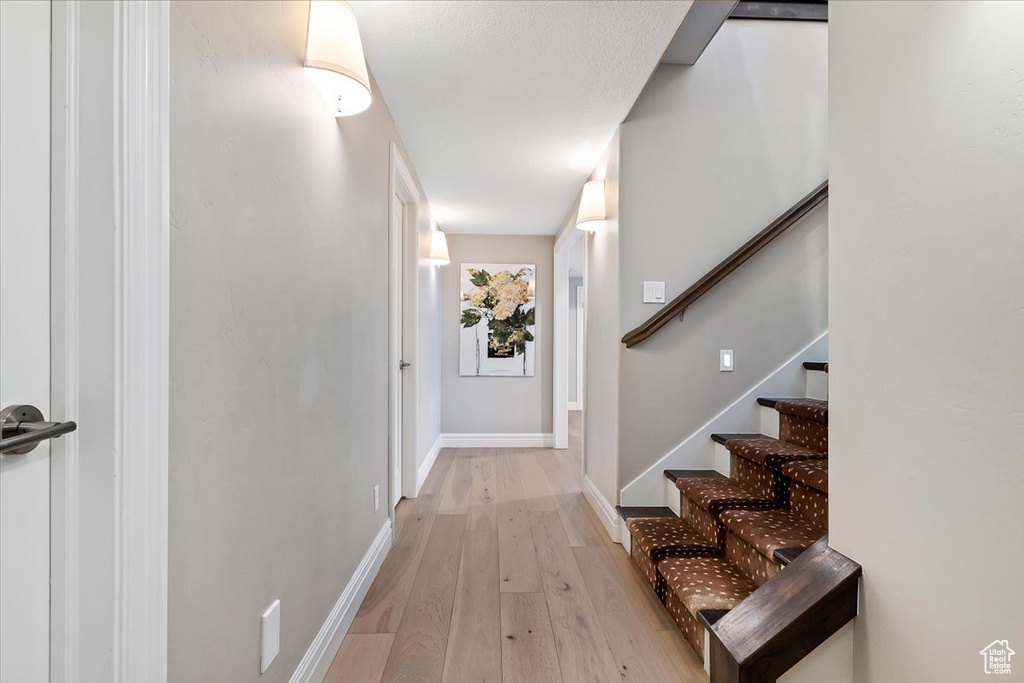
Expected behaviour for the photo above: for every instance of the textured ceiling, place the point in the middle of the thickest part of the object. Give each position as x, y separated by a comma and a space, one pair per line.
505, 107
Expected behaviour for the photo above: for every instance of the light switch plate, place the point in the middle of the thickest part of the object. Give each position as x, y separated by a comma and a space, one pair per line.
726, 360
654, 292
270, 635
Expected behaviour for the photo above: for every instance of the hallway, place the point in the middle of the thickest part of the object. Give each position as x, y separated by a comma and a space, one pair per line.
501, 571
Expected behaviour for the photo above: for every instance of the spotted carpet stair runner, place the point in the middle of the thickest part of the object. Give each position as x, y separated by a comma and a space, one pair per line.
734, 534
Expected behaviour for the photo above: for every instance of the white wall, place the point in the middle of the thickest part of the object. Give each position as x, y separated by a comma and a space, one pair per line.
601, 388
279, 339
497, 405
711, 154
927, 330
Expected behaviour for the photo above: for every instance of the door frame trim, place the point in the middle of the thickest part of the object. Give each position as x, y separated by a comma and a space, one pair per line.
401, 183
142, 31
138, 280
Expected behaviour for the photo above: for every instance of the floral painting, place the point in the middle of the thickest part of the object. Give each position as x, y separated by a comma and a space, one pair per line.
498, 320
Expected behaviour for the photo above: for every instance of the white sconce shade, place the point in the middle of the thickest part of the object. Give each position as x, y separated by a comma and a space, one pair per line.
439, 249
592, 207
334, 57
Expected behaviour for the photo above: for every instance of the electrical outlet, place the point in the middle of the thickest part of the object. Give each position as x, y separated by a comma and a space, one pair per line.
270, 635
725, 360
376, 497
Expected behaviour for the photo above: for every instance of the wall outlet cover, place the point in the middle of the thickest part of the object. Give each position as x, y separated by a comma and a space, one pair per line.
270, 635
726, 361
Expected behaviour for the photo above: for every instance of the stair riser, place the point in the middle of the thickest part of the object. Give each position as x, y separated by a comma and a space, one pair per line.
749, 560
692, 629
769, 422
804, 432
753, 477
817, 384
722, 460
810, 504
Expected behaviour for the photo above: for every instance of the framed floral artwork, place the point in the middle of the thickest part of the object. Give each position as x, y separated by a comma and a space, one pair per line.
497, 320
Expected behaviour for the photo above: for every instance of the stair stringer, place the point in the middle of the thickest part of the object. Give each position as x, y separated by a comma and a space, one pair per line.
696, 451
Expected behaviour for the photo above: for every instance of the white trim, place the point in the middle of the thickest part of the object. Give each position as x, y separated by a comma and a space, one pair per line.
605, 511
575, 406
401, 183
513, 440
64, 362
321, 652
141, 340
427, 464
696, 451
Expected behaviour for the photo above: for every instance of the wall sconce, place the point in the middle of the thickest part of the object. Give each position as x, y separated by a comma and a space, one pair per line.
334, 57
438, 248
592, 206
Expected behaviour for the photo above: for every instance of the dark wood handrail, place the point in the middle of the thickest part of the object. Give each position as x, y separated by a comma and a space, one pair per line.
781, 622
701, 287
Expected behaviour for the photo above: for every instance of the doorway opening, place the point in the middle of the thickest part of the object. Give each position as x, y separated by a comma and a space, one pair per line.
403, 240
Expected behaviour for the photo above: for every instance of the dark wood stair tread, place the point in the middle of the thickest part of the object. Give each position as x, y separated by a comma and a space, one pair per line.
676, 475
817, 365
786, 555
722, 438
709, 617
634, 511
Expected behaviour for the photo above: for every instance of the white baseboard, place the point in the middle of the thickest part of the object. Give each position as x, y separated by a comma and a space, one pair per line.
498, 440
424, 469
605, 511
696, 451
575, 406
318, 657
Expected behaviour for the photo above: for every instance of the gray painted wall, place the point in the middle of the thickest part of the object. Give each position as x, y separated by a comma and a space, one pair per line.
710, 155
574, 313
926, 139
601, 388
497, 405
279, 337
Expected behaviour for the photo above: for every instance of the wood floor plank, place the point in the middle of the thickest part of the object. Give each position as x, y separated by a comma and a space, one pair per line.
638, 650
361, 658
438, 476
419, 648
528, 653
688, 666
474, 642
647, 600
384, 604
455, 496
583, 652
581, 524
539, 497
517, 555
483, 496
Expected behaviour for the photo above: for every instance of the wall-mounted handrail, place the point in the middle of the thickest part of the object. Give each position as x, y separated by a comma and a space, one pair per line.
677, 306
785, 619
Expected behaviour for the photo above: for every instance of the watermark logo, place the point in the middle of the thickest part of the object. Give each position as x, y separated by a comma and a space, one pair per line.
997, 657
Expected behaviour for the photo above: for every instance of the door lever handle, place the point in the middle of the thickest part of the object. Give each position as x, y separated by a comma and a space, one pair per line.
23, 427
402, 365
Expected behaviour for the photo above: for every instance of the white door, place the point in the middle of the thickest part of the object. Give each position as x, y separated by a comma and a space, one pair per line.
25, 334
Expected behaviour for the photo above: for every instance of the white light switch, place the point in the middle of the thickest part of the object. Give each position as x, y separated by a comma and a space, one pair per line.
654, 292
376, 497
270, 640
725, 360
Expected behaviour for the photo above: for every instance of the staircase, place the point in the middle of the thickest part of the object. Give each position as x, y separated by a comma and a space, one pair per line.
735, 533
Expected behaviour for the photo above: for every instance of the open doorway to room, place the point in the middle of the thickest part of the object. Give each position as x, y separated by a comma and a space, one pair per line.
570, 346
404, 249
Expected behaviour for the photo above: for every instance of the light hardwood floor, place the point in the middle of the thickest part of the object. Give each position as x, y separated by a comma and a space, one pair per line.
500, 571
